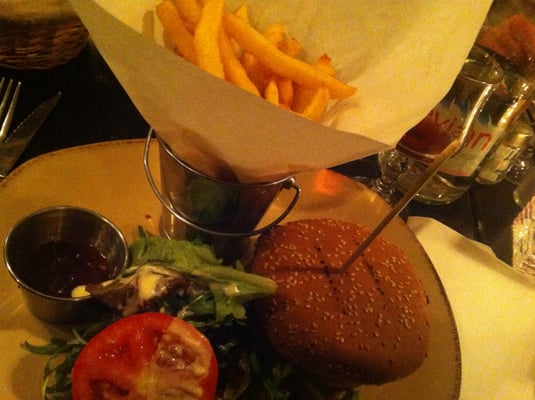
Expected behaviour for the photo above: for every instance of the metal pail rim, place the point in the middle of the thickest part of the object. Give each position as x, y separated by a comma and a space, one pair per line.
285, 183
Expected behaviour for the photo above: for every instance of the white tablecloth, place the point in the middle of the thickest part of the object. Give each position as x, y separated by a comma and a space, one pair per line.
494, 309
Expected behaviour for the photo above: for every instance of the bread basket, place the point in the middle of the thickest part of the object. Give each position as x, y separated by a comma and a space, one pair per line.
39, 34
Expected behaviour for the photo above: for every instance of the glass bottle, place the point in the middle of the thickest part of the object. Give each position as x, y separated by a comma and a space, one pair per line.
503, 108
500, 159
452, 118
524, 162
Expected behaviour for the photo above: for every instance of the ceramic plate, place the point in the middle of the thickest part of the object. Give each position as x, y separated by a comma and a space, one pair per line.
109, 178
328, 194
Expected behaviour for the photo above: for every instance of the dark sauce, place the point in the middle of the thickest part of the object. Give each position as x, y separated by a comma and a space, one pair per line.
58, 266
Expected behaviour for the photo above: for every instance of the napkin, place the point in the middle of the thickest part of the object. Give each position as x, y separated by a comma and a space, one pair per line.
494, 308
402, 56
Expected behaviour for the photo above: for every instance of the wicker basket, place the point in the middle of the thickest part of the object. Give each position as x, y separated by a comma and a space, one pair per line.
41, 39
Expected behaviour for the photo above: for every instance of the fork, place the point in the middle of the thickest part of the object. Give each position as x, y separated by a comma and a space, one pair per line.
7, 105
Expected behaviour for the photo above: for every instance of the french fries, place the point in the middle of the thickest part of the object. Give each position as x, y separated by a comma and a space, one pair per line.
189, 11
264, 63
312, 101
233, 69
206, 38
175, 28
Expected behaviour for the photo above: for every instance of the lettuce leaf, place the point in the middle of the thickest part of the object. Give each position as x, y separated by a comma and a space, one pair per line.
230, 287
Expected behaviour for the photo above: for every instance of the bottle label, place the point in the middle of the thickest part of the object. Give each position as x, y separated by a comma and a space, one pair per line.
477, 144
495, 168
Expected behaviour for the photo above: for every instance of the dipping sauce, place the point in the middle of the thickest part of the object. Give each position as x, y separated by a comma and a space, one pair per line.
58, 266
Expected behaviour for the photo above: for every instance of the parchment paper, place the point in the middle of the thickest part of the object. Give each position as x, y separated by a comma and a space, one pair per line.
401, 55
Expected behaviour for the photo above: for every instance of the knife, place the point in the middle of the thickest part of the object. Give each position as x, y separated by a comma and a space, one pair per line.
12, 148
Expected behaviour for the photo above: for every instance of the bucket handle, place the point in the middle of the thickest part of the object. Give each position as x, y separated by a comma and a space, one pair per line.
289, 184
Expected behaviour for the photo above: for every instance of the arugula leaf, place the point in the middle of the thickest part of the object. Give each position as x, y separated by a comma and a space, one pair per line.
63, 353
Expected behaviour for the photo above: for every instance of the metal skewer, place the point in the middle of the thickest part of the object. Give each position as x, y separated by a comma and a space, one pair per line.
451, 149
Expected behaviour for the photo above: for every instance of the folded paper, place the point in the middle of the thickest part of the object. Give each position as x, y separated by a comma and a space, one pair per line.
402, 57
492, 305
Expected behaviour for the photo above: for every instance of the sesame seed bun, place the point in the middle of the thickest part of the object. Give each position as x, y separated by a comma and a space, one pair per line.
367, 325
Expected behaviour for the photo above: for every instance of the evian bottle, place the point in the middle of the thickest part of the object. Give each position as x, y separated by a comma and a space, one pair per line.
502, 157
503, 108
484, 101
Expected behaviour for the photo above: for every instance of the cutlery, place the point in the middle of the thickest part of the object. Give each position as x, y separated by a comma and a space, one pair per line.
12, 148
9, 100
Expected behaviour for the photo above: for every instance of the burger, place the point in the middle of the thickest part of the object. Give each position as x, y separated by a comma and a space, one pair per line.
366, 324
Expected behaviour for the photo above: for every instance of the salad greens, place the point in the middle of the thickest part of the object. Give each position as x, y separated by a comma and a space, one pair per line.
57, 371
229, 288
213, 297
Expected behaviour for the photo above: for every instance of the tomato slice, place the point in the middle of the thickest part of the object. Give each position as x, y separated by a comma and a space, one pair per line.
146, 357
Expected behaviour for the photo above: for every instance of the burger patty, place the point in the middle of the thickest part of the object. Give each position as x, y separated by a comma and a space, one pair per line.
365, 325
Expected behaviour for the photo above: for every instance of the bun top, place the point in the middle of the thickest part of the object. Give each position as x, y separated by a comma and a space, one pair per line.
367, 325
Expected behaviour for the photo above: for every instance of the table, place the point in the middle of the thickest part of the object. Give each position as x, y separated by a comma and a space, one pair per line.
95, 108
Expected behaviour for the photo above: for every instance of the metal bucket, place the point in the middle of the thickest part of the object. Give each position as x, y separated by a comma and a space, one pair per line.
220, 212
